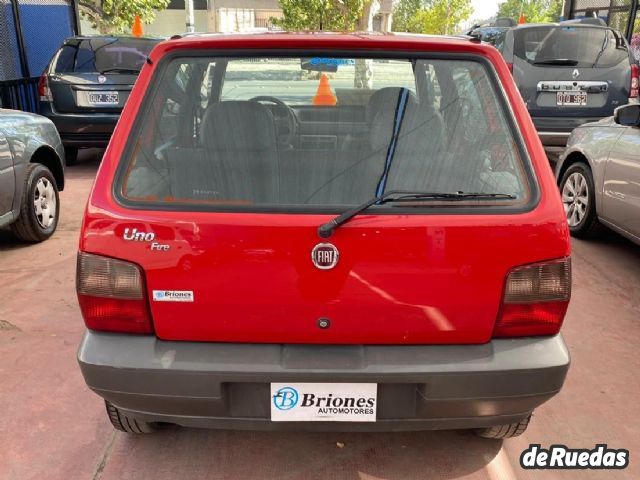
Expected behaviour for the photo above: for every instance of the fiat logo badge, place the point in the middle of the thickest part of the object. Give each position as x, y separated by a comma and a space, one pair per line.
325, 256
102, 79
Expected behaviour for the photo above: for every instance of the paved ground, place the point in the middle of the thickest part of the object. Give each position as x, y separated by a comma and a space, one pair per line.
52, 427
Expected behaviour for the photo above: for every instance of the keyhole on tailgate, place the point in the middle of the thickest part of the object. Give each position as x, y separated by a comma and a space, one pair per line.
324, 323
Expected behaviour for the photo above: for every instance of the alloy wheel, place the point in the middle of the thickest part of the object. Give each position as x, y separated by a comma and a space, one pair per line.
575, 198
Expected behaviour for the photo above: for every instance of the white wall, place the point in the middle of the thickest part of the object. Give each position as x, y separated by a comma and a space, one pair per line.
166, 23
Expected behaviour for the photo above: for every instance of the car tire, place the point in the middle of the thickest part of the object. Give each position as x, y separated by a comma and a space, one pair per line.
507, 430
70, 155
577, 190
39, 205
125, 423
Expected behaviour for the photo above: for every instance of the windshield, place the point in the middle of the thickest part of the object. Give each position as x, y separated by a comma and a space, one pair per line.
308, 132
570, 46
100, 55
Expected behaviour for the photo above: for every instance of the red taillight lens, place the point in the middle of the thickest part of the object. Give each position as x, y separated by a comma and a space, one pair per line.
111, 294
43, 89
535, 299
634, 92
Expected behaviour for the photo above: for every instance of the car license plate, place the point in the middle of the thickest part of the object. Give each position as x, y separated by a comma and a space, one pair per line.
578, 99
104, 98
323, 402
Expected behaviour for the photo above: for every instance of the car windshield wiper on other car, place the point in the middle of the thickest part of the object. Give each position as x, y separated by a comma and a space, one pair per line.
121, 70
398, 196
557, 61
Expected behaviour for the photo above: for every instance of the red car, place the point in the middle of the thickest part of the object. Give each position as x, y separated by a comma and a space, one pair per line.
324, 232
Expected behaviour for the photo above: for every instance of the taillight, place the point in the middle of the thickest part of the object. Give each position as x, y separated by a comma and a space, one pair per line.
634, 92
535, 299
44, 92
112, 295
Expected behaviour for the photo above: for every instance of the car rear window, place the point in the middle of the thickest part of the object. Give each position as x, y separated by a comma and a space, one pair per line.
300, 133
103, 55
570, 46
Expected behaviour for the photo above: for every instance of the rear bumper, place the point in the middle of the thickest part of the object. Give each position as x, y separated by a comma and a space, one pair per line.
81, 129
419, 387
554, 131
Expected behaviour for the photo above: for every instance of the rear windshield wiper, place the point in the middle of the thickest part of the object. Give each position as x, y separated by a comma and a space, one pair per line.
557, 61
398, 196
121, 70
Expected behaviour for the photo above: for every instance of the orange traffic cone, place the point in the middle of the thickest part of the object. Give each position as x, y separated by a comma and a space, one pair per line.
136, 30
324, 95
522, 20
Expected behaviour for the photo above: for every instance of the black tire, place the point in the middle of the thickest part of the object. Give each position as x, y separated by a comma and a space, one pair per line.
28, 227
508, 430
70, 156
125, 423
588, 226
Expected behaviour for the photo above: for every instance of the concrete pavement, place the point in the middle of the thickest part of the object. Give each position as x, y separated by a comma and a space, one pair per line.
52, 427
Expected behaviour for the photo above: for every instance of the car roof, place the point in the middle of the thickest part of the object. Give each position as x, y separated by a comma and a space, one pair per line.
113, 37
322, 40
561, 24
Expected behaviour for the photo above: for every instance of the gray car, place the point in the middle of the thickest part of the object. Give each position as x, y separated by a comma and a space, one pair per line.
31, 175
599, 175
568, 74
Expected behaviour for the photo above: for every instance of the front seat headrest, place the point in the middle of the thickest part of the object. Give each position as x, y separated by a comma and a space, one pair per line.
238, 125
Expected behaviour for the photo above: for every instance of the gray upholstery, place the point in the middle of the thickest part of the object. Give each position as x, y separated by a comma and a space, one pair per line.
240, 142
385, 100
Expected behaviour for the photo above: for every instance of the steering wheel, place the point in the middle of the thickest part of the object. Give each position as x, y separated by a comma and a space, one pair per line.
285, 119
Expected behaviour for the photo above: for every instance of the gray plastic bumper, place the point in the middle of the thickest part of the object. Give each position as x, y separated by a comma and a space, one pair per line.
419, 387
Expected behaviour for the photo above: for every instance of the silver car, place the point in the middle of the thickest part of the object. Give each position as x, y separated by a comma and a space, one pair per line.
31, 175
599, 175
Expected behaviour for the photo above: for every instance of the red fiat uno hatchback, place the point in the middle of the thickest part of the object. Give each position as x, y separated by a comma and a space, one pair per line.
324, 232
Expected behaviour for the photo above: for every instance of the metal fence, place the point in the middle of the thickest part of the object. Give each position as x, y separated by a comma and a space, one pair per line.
30, 33
618, 14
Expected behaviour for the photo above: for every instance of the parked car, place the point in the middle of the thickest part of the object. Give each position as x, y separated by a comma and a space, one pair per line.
492, 32
569, 73
386, 256
599, 175
86, 85
31, 175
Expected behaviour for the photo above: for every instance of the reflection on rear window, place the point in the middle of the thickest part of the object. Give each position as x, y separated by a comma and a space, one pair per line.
100, 55
232, 133
570, 46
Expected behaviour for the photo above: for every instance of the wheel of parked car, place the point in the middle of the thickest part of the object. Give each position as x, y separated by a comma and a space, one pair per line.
70, 155
39, 209
577, 189
507, 430
124, 423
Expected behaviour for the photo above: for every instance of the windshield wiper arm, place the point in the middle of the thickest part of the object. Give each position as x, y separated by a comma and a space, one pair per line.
557, 61
120, 70
326, 229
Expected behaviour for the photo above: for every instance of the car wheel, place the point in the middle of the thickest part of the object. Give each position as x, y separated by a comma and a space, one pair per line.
508, 430
70, 155
125, 423
579, 201
40, 205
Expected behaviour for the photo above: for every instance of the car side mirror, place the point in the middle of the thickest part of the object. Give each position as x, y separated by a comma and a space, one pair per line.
628, 115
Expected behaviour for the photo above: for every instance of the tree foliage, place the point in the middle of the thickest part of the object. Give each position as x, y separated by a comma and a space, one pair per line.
535, 11
404, 13
437, 17
116, 16
335, 15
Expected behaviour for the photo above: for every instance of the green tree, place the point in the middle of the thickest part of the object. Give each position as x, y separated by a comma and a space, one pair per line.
441, 17
335, 15
116, 16
535, 11
404, 14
